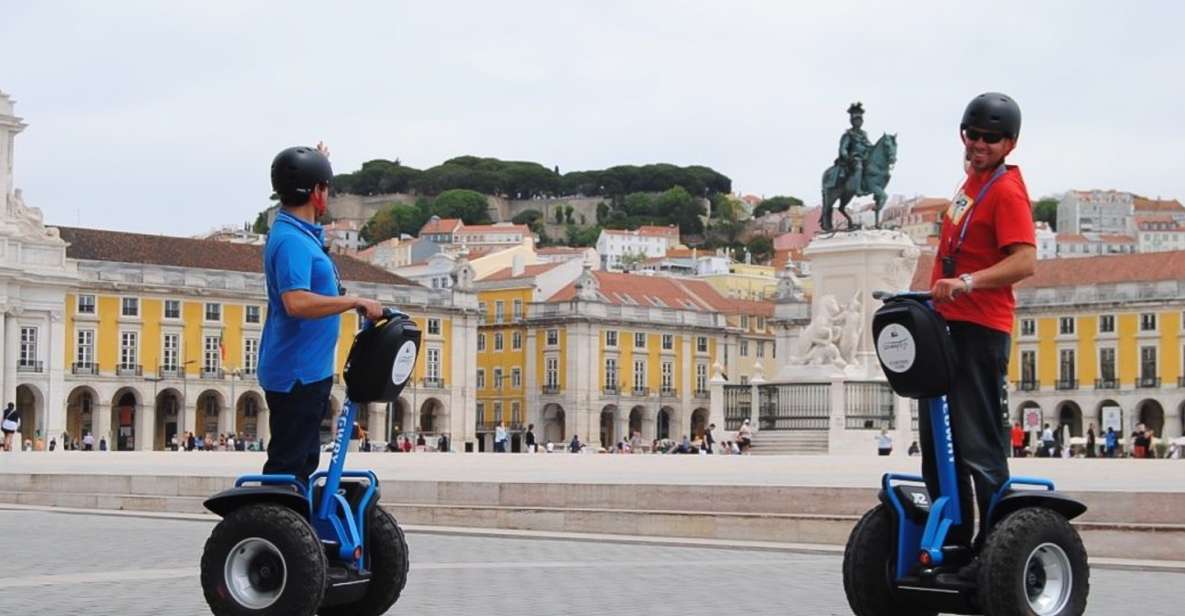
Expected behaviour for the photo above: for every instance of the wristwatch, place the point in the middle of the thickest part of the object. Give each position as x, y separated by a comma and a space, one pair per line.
967, 280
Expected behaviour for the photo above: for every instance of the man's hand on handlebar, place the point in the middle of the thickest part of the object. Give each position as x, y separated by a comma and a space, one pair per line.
369, 308
946, 289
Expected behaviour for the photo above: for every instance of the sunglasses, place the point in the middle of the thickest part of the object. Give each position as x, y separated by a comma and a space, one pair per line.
972, 135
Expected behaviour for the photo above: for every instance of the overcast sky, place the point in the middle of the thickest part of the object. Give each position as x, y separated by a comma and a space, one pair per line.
160, 118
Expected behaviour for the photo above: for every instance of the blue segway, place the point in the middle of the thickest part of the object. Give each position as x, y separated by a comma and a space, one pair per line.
899, 560
293, 548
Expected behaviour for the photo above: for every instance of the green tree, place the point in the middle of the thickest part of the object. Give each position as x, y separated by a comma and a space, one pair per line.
568, 210
602, 212
680, 208
393, 221
776, 204
632, 260
583, 236
260, 225
1046, 210
468, 205
762, 249
531, 218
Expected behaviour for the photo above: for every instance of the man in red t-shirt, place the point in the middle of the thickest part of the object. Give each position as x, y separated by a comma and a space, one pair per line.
988, 244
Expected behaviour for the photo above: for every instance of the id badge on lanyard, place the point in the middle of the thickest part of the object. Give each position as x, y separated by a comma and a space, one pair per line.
961, 214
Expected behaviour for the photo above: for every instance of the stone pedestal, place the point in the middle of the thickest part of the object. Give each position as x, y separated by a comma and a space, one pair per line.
847, 268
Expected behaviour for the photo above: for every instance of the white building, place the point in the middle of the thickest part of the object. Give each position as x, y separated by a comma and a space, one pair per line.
1159, 233
343, 237
1046, 241
1097, 211
646, 242
1094, 244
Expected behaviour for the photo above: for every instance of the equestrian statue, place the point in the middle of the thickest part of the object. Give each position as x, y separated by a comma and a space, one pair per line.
863, 168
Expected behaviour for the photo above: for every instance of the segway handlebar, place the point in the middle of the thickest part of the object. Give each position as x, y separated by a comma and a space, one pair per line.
920, 296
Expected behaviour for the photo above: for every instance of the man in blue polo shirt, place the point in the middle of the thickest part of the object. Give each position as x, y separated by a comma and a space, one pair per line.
304, 299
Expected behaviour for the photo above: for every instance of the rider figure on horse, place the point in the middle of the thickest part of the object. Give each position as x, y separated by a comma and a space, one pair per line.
853, 147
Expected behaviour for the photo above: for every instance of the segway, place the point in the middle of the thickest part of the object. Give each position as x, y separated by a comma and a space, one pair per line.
899, 561
294, 548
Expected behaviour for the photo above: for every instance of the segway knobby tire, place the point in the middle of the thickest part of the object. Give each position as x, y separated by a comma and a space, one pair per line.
1026, 556
868, 571
388, 552
263, 559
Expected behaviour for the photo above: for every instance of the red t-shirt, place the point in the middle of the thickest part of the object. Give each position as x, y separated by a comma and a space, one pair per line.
1004, 218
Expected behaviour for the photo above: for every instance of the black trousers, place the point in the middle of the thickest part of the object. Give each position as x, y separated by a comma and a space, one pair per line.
979, 423
295, 421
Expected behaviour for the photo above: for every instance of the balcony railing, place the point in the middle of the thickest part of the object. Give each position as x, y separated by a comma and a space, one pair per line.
213, 373
1148, 382
641, 392
1026, 385
84, 368
551, 390
434, 383
701, 393
611, 391
1064, 384
1106, 384
669, 392
168, 372
30, 366
129, 370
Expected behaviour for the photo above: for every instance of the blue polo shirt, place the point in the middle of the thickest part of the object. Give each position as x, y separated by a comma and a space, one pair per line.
296, 350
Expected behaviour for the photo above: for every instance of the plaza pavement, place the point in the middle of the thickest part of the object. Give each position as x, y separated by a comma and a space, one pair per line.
105, 565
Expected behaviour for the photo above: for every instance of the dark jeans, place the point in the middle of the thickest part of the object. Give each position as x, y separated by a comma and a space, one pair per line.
295, 422
979, 424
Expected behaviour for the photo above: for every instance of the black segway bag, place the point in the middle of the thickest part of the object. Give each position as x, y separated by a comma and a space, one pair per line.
914, 348
382, 359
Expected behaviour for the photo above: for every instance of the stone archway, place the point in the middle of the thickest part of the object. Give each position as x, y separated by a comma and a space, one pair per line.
699, 423
553, 424
247, 416
125, 407
1150, 413
209, 411
80, 414
431, 419
637, 422
30, 406
663, 431
1069, 414
1110, 414
608, 425
168, 419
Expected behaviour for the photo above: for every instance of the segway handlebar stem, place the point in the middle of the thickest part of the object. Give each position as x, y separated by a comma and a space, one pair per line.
885, 296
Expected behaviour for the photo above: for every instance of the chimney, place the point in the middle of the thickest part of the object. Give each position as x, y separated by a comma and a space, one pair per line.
516, 266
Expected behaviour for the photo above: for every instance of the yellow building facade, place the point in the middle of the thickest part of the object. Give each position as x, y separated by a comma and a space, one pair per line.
1100, 342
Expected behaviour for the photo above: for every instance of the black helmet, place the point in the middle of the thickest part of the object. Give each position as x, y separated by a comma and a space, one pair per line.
995, 112
296, 171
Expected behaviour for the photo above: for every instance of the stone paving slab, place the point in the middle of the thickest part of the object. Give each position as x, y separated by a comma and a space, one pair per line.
1119, 475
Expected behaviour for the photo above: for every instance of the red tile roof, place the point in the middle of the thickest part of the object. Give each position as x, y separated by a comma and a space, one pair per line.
122, 247
1109, 269
677, 293
489, 229
530, 271
1142, 204
441, 225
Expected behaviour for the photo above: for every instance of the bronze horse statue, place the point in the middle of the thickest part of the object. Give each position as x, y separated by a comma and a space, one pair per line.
877, 169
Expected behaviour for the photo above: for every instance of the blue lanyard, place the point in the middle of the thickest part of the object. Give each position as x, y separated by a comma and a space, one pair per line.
979, 197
